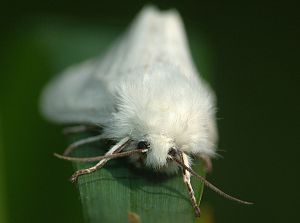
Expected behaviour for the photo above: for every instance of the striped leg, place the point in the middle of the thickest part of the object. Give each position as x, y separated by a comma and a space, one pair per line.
187, 181
115, 149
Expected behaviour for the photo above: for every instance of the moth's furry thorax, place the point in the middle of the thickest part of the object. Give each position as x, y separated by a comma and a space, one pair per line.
165, 108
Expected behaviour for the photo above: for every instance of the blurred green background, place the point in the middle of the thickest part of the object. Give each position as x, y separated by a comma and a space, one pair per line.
247, 48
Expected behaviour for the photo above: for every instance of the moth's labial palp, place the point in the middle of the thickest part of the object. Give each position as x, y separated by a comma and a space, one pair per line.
143, 145
173, 152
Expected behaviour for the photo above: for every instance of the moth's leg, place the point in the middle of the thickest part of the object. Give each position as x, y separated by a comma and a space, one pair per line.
78, 173
115, 149
79, 129
82, 142
187, 181
207, 162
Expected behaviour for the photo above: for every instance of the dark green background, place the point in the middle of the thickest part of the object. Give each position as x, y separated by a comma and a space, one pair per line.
249, 50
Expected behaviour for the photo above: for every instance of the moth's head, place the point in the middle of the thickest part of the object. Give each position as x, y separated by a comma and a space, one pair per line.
158, 149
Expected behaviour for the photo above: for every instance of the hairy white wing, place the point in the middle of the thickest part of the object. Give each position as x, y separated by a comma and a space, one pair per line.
77, 97
85, 93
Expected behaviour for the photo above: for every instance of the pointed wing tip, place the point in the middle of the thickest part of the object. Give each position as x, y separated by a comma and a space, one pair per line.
153, 10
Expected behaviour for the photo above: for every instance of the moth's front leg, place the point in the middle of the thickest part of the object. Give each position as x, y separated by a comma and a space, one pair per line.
115, 149
187, 181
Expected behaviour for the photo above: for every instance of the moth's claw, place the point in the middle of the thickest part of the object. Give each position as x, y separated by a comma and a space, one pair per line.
197, 212
74, 177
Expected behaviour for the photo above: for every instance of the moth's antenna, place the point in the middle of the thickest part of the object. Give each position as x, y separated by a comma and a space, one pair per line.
208, 184
98, 158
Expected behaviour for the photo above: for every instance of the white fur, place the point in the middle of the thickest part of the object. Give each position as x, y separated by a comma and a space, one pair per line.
146, 87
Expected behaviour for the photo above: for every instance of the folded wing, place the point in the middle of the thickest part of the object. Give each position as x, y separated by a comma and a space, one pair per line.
85, 93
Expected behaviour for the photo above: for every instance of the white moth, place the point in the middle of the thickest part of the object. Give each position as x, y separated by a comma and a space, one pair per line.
146, 95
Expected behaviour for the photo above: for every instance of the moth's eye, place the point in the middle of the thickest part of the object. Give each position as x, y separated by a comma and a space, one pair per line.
143, 145
172, 152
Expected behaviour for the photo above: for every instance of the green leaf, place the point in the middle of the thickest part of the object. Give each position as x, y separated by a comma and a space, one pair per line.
111, 193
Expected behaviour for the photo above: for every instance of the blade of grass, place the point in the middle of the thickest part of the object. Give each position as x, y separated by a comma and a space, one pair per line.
118, 189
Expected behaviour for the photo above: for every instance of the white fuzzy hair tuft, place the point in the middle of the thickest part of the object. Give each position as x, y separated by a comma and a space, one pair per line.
165, 108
